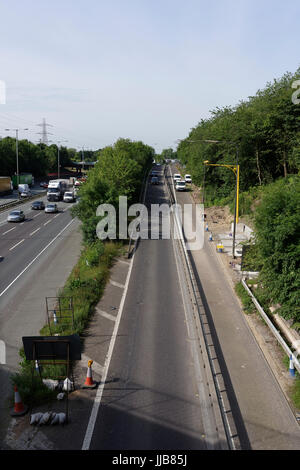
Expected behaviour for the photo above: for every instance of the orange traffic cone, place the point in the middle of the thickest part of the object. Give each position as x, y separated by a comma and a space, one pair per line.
89, 383
19, 409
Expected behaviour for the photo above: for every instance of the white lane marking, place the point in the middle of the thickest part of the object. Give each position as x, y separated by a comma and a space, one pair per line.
37, 256
13, 247
47, 222
116, 284
56, 216
124, 262
9, 230
106, 315
95, 366
32, 233
94, 413
36, 215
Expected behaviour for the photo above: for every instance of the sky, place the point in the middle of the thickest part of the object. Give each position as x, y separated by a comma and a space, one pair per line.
146, 70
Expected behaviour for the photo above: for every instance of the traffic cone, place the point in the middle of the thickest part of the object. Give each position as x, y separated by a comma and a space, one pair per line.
19, 409
89, 383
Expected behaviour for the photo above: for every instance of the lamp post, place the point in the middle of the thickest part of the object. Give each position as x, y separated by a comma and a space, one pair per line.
236, 170
17, 150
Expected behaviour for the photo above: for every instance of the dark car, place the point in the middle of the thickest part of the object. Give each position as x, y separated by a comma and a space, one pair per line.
154, 180
43, 184
37, 205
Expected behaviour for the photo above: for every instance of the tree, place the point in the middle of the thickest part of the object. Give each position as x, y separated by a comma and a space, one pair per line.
277, 222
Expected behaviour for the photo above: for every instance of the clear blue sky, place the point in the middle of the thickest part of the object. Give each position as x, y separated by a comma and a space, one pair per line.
145, 70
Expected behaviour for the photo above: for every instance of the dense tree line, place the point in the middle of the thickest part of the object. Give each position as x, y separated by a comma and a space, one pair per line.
119, 171
38, 159
263, 132
265, 129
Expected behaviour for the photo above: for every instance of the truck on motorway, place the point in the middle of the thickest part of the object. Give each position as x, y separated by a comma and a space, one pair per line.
6, 185
56, 189
23, 178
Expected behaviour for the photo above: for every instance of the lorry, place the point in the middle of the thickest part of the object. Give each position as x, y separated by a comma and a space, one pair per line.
56, 189
6, 185
23, 178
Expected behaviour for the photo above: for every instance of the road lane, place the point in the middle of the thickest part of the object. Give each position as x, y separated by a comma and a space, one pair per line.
151, 397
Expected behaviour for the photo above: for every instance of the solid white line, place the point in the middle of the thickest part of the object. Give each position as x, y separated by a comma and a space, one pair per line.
35, 231
13, 247
37, 256
9, 230
93, 417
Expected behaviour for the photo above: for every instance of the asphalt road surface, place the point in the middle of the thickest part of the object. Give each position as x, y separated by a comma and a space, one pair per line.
263, 417
151, 399
38, 256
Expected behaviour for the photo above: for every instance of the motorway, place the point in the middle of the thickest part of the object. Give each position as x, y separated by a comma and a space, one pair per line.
37, 256
162, 398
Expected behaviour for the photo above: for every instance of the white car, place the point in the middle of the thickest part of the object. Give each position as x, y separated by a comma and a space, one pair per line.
188, 178
177, 177
180, 186
69, 196
16, 216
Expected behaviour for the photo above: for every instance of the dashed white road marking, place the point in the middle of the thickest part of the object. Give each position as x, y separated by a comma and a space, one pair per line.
32, 233
48, 222
9, 230
13, 247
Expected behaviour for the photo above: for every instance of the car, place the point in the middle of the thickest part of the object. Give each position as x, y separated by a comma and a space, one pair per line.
24, 194
188, 178
69, 196
154, 180
16, 216
51, 208
43, 184
37, 205
154, 173
177, 177
180, 186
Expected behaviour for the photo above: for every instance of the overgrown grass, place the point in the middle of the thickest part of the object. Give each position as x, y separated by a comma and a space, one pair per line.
85, 285
248, 305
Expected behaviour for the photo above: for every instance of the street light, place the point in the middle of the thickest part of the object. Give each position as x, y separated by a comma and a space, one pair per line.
236, 170
17, 151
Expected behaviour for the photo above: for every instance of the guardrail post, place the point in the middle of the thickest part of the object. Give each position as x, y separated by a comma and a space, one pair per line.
292, 368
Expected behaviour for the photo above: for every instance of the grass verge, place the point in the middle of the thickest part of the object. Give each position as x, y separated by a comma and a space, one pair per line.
85, 286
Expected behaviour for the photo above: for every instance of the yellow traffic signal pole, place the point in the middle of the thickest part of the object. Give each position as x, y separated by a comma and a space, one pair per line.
236, 171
